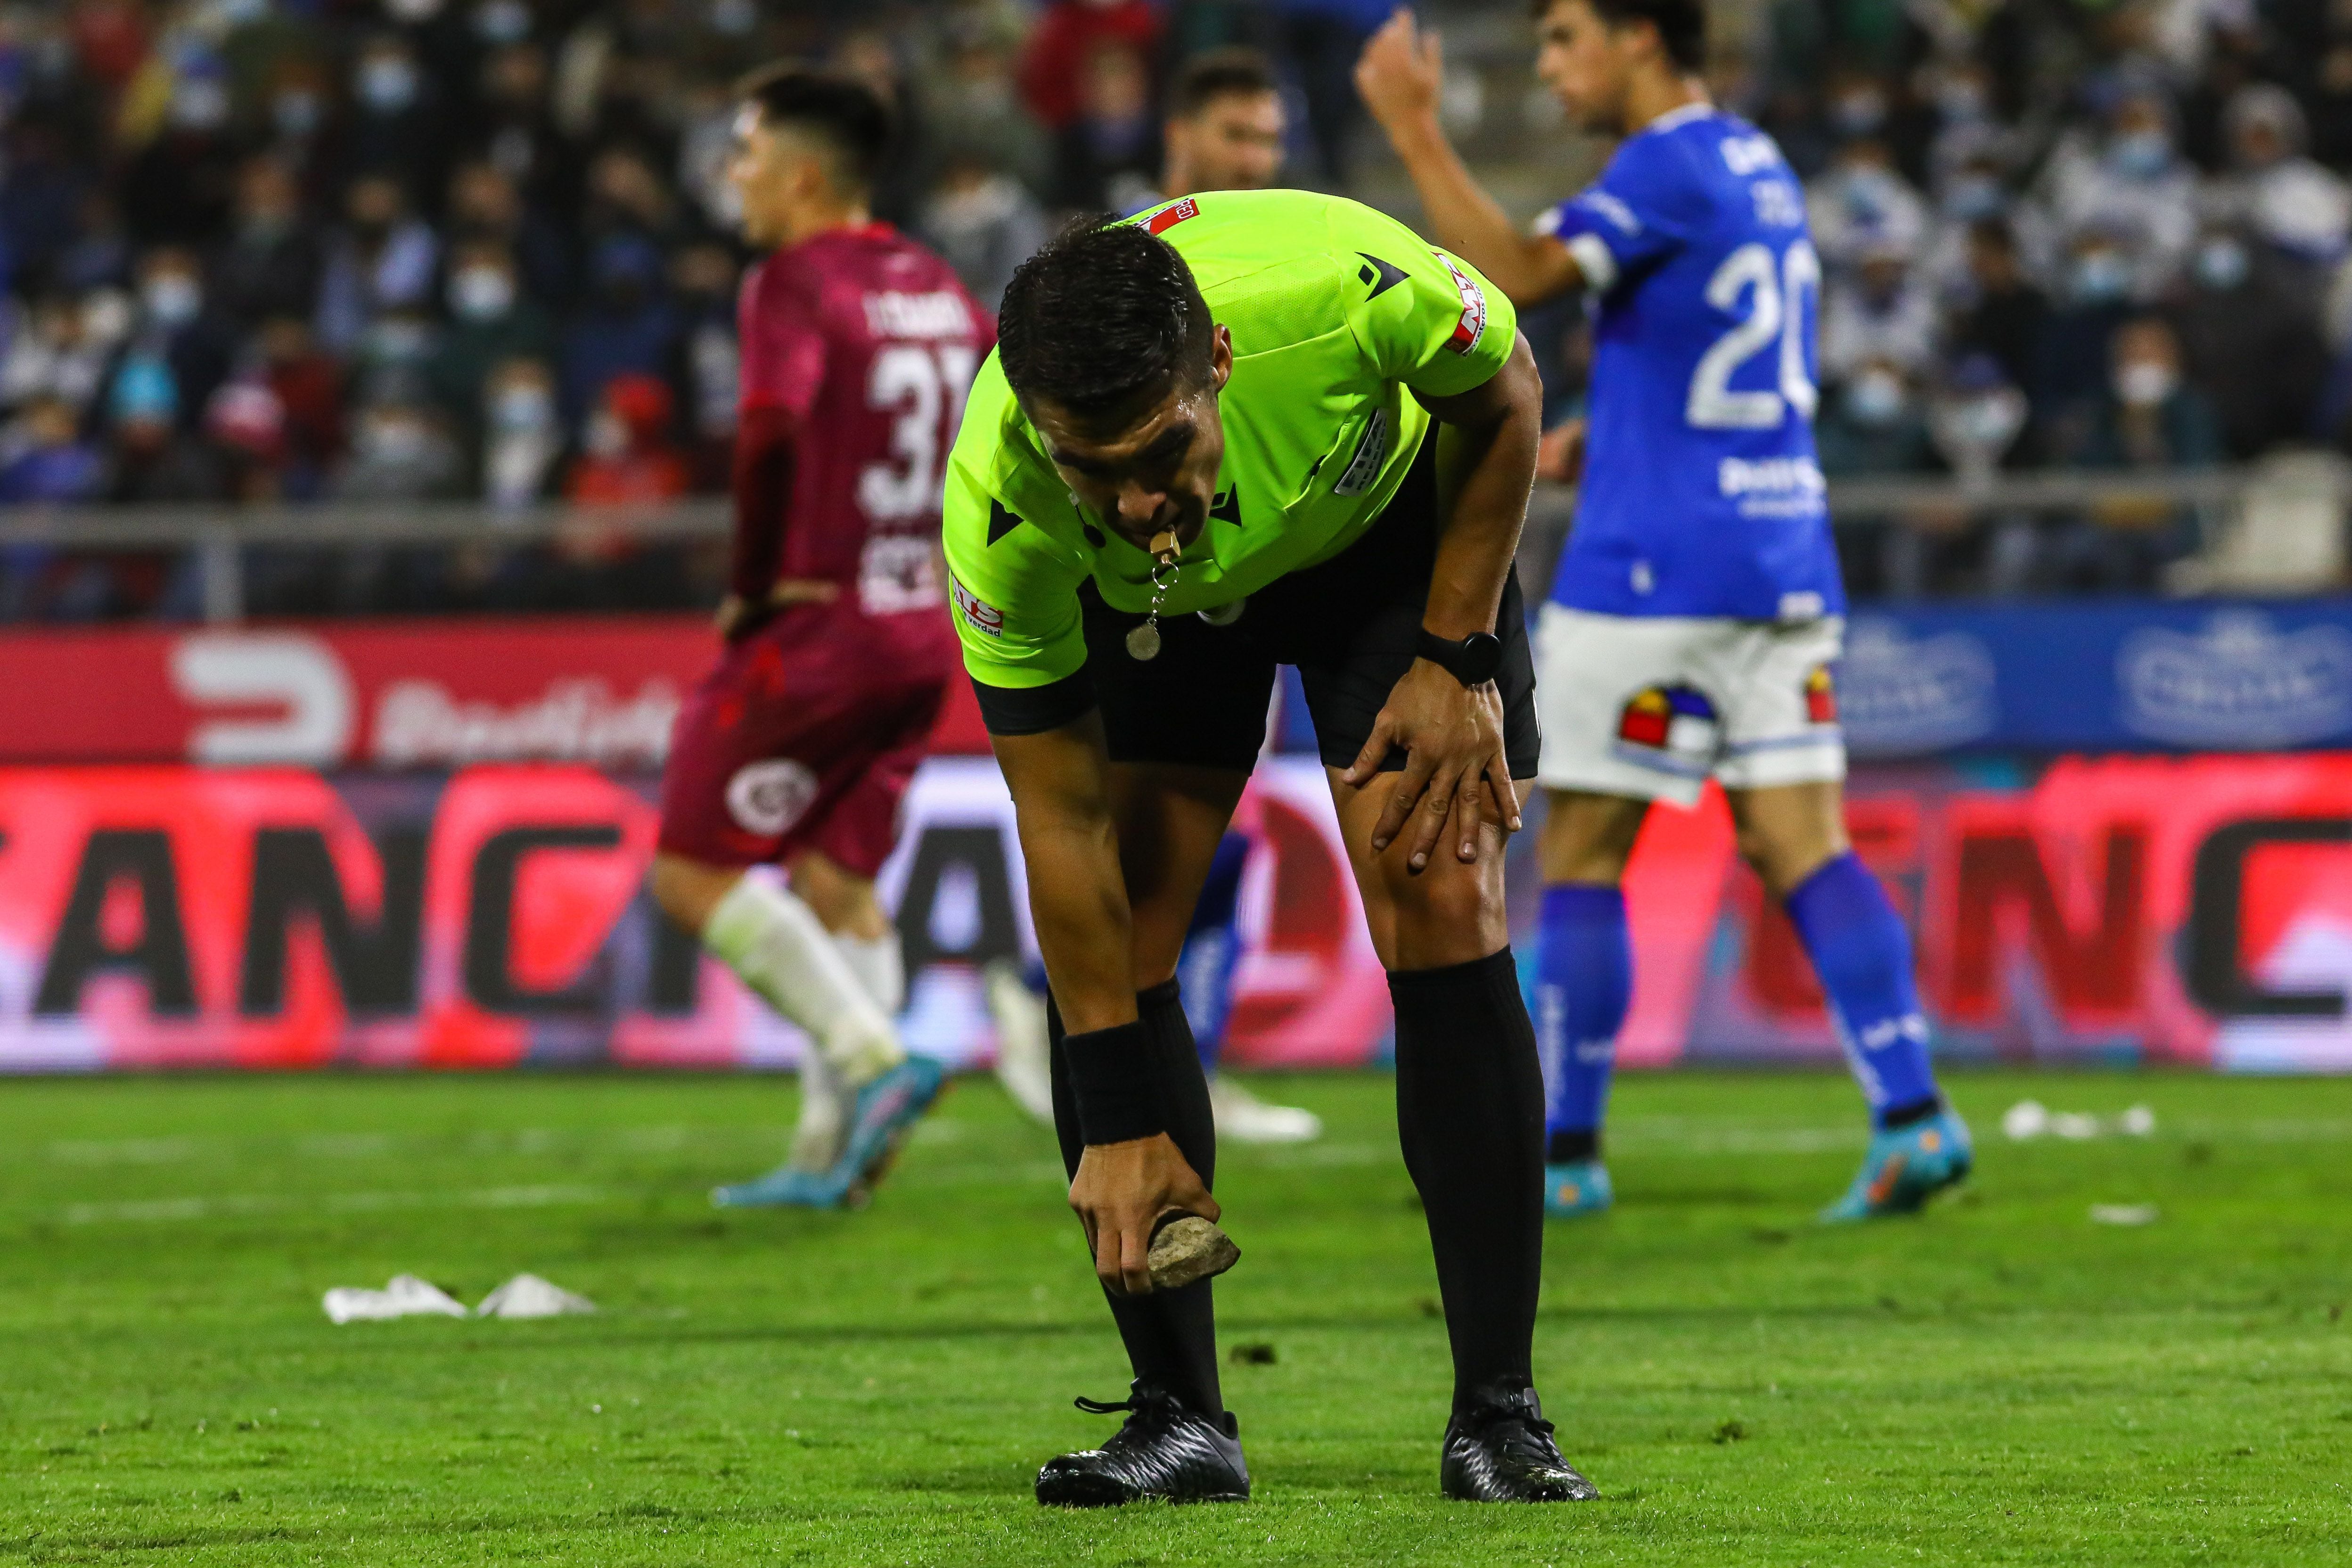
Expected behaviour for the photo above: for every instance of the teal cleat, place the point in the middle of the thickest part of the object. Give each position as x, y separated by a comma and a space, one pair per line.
1905, 1168
887, 1109
786, 1187
1580, 1188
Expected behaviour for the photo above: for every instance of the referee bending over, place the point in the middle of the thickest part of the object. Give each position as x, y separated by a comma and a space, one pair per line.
1240, 430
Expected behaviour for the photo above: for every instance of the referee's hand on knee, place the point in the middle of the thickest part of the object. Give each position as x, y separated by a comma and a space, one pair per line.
1455, 768
1119, 1193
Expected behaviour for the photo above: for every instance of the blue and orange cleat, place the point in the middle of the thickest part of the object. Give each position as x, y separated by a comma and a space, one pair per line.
786, 1187
887, 1112
1904, 1167
1580, 1187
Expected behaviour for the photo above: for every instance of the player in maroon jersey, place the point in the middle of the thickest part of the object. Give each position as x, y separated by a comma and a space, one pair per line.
858, 346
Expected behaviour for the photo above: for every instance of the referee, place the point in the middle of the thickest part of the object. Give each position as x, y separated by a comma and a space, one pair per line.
1240, 430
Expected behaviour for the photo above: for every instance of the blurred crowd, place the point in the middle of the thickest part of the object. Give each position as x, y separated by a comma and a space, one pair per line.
397, 250
2099, 235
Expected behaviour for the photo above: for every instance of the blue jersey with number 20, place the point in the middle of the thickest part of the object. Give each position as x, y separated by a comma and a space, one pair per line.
1702, 494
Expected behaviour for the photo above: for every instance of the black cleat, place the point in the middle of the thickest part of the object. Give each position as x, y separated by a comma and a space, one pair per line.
1163, 1451
1500, 1450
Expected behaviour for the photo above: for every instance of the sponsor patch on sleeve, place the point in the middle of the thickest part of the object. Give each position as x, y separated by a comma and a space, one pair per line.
1473, 324
1167, 219
978, 612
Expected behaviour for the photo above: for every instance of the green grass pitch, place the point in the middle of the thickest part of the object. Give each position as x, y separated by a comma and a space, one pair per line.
2002, 1381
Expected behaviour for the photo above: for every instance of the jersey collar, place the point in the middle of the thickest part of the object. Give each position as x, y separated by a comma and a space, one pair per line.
1675, 118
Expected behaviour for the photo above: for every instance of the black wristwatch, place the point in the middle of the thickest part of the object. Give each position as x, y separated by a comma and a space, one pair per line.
1472, 661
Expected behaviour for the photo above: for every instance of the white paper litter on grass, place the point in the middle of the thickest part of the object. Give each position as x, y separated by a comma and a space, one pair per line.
405, 1295
2123, 1213
528, 1296
2031, 1119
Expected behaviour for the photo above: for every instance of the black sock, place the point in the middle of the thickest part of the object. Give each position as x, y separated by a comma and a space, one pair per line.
1470, 1113
1572, 1148
1170, 1335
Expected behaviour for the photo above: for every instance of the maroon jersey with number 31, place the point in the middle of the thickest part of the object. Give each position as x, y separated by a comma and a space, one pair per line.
858, 346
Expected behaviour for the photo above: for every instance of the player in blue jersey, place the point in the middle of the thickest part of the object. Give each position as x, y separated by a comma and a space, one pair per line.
1697, 611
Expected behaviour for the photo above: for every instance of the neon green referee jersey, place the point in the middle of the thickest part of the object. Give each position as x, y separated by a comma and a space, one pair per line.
1336, 312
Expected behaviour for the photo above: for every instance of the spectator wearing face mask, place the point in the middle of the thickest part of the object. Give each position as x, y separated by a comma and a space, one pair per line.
2249, 339
1879, 313
523, 436
628, 456
513, 131
2148, 416
2131, 185
984, 222
401, 451
1862, 202
489, 321
626, 326
702, 280
271, 261
309, 385
150, 458
975, 107
398, 126
2008, 314
176, 187
43, 459
1108, 157
485, 204
2273, 189
62, 347
2071, 364
1053, 67
173, 323
383, 259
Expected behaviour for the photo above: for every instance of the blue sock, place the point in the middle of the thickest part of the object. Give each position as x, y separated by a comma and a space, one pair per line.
1213, 950
1863, 955
1584, 983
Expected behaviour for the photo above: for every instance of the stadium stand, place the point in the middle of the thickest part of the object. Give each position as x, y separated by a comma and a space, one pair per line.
326, 258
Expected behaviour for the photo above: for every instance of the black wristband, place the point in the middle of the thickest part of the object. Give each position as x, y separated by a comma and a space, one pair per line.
1111, 1078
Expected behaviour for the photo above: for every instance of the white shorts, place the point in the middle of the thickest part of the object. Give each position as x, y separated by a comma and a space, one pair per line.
1653, 706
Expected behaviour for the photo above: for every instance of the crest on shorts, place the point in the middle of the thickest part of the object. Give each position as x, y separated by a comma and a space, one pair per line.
1820, 696
767, 797
1669, 727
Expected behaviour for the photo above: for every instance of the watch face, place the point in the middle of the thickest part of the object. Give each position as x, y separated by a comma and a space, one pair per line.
1482, 656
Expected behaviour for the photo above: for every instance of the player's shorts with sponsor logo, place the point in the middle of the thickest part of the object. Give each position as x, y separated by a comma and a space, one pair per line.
1653, 706
806, 736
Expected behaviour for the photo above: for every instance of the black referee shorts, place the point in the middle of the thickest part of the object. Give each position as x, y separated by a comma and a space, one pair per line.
1350, 625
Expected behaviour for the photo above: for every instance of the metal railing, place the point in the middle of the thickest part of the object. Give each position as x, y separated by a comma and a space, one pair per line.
218, 535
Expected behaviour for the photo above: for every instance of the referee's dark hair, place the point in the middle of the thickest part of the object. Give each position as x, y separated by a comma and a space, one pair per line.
1231, 72
1680, 24
842, 114
1106, 317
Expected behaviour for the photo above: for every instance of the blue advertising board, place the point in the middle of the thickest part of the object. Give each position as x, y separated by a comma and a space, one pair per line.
2117, 675
2092, 676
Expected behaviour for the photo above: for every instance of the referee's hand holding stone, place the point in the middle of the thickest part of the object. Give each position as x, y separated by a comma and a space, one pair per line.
1452, 736
1119, 1193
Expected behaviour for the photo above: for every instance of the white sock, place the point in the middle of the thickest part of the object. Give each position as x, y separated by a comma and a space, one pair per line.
780, 950
879, 967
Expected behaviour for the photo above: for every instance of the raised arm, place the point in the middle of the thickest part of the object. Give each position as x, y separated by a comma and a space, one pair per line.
1399, 77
